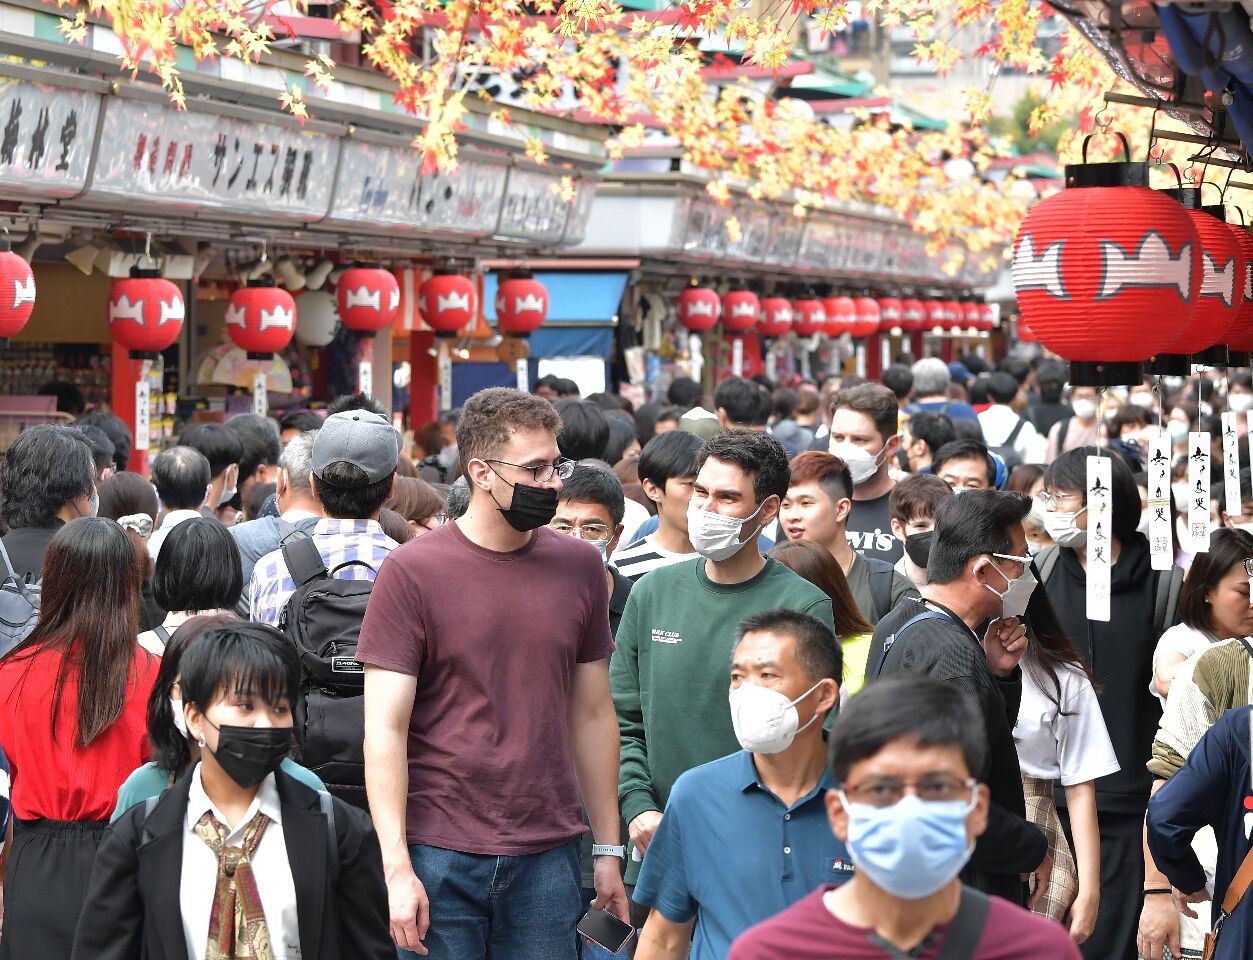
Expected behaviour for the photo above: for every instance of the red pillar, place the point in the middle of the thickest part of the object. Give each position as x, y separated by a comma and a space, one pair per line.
424, 380
916, 344
874, 356
125, 375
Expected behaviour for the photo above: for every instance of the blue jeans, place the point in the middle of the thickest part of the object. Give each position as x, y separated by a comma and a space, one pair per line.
499, 908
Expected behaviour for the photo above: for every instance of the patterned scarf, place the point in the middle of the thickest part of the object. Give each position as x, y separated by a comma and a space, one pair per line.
236, 921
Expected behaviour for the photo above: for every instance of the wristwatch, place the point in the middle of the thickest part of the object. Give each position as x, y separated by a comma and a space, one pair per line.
608, 850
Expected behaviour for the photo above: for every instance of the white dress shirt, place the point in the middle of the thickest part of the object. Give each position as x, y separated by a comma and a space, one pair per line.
269, 867
168, 523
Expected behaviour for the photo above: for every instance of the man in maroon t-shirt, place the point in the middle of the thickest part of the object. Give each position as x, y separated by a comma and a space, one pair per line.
909, 811
487, 708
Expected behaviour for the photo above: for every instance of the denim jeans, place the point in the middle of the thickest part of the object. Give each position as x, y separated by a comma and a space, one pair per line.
500, 908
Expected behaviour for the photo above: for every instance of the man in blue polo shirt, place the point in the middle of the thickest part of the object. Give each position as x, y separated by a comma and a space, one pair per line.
746, 836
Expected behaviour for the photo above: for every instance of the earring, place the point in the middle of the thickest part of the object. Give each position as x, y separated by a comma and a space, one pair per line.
200, 742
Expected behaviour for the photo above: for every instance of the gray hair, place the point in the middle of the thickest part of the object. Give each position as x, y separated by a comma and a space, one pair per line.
297, 460
931, 376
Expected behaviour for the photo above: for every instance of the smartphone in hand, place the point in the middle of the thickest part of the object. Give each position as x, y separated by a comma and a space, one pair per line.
606, 930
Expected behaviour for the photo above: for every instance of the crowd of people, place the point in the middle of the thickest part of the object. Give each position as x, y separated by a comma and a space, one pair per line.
788, 671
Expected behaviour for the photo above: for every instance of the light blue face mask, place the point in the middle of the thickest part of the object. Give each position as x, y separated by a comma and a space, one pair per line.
1178, 431
603, 547
912, 848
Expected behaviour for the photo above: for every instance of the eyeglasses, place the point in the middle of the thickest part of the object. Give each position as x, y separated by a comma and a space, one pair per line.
888, 793
1051, 499
585, 531
1011, 556
542, 473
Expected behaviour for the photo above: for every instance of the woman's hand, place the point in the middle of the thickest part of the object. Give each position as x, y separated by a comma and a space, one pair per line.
1083, 916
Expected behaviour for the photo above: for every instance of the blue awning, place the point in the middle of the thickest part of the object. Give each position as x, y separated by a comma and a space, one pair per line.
469, 378
581, 297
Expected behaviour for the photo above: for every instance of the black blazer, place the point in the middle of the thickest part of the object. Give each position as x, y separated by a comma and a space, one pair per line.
132, 909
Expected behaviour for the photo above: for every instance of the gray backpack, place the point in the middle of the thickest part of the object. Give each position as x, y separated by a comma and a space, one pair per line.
19, 606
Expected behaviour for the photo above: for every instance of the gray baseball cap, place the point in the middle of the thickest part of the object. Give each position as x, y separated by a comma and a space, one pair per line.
361, 438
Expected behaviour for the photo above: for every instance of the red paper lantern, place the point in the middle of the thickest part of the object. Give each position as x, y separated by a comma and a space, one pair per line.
867, 321
17, 293
1024, 333
891, 312
970, 316
1240, 335
1223, 264
741, 308
808, 317
521, 306
952, 316
449, 302
937, 316
841, 315
987, 314
145, 314
1107, 272
261, 319
776, 317
368, 298
913, 316
699, 308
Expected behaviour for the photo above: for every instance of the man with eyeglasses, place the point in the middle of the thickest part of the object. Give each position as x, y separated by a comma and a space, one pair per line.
487, 708
590, 507
905, 757
967, 630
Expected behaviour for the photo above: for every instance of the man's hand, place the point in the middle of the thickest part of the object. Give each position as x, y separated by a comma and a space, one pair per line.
642, 828
1004, 645
1043, 873
409, 910
610, 893
1181, 900
1159, 927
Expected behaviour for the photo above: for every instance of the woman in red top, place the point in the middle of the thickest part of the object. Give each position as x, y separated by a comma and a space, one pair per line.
70, 744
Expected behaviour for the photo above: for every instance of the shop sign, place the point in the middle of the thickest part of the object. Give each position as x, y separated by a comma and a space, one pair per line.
155, 155
377, 184
45, 138
580, 213
466, 199
533, 209
785, 244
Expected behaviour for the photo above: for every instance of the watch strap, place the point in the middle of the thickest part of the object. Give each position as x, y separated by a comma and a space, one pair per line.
608, 850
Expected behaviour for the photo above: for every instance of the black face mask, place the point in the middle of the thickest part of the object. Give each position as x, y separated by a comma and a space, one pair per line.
530, 508
918, 548
250, 754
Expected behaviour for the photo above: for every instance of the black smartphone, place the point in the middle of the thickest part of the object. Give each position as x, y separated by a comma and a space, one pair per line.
603, 928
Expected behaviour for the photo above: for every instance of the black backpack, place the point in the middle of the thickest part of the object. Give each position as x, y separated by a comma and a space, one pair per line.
323, 619
19, 606
1166, 589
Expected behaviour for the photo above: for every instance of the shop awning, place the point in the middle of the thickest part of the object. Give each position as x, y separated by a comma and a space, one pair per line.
575, 298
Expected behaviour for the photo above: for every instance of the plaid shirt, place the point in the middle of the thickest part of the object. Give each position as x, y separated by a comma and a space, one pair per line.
338, 541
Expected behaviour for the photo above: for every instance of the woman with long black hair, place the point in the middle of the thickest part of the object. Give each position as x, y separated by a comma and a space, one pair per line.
71, 743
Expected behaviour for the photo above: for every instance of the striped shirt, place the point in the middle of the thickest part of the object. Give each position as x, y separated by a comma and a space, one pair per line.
644, 556
338, 541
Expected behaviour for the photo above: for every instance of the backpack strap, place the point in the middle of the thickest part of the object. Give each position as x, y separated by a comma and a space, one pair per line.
1046, 560
304, 561
326, 804
1166, 599
1013, 434
1061, 435
880, 587
11, 574
887, 644
149, 805
966, 930
162, 634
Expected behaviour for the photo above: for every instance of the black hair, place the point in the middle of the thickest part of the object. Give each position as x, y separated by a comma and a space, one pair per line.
262, 441
1227, 548
1050, 379
975, 523
595, 485
965, 450
116, 430
759, 455
978, 391
914, 707
301, 420
684, 392
611, 401
244, 657
45, 467
548, 380
567, 388
783, 404
1015, 367
934, 429
621, 436
646, 421
584, 429
813, 644
102, 448
1002, 388
1070, 472
181, 476
899, 379
967, 428
669, 455
746, 402
345, 492
669, 413
219, 444
170, 751
69, 398
1048, 646
198, 568
355, 401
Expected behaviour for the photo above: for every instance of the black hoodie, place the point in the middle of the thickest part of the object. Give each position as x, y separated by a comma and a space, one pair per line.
1120, 655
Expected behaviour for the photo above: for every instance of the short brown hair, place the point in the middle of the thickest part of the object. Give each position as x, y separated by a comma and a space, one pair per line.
917, 497
492, 416
825, 469
875, 401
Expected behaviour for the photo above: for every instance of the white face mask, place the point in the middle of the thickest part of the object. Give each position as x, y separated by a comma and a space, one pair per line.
862, 465
180, 721
229, 485
1144, 400
1064, 529
765, 720
1239, 402
1018, 590
1084, 408
714, 536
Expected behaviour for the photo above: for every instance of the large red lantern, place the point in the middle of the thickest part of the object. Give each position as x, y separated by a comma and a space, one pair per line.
699, 308
952, 316
841, 315
987, 314
1240, 336
867, 321
741, 308
145, 313
970, 316
17, 293
261, 319
937, 316
913, 316
521, 306
449, 303
1024, 332
890, 315
808, 317
368, 298
1107, 272
776, 317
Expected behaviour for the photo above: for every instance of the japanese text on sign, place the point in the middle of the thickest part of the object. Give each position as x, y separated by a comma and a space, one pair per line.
1198, 491
45, 138
1100, 537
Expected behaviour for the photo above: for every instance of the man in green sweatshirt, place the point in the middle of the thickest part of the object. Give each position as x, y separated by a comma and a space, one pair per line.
669, 672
